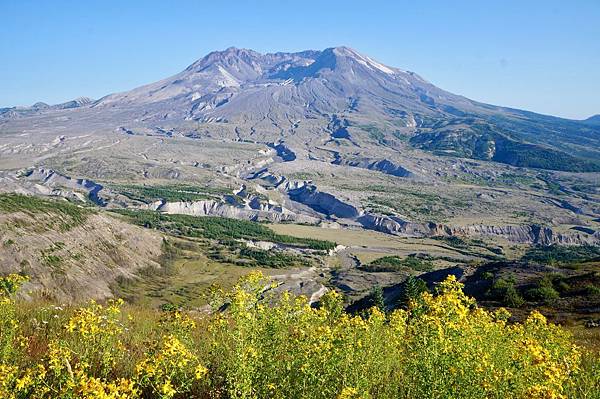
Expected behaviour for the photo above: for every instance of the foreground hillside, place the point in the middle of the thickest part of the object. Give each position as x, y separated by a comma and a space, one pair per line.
442, 346
71, 253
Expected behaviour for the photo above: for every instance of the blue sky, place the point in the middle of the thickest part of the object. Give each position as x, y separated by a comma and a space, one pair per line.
542, 56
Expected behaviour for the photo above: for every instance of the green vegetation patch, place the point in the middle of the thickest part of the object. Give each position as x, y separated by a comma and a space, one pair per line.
169, 192
396, 263
374, 133
48, 256
67, 215
453, 241
476, 140
238, 253
219, 228
559, 255
505, 291
273, 259
411, 291
411, 202
545, 289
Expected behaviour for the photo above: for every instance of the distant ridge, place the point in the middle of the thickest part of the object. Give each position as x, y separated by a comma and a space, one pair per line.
15, 112
593, 120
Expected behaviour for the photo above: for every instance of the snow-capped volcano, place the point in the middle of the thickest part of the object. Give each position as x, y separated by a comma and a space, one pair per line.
239, 83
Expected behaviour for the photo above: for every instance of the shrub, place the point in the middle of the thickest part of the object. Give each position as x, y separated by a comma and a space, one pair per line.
412, 290
544, 291
265, 345
512, 298
376, 298
504, 290
592, 290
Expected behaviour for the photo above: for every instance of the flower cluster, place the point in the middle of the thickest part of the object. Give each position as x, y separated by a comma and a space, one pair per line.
172, 369
262, 345
442, 345
96, 319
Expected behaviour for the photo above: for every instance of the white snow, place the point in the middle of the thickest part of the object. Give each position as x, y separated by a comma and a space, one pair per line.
228, 79
366, 61
379, 66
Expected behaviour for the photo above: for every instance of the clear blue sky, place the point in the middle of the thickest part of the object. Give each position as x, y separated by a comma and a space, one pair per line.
542, 56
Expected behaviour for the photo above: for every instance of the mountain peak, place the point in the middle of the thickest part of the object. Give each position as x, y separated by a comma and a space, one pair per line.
231, 53
349, 53
40, 105
76, 103
269, 93
215, 80
343, 51
233, 60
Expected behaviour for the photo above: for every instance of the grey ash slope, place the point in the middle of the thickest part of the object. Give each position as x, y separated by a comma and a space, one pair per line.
238, 84
301, 97
278, 91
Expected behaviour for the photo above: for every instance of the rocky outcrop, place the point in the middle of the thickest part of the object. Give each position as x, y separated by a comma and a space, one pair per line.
524, 234
254, 212
283, 151
397, 226
322, 202
49, 182
76, 103
266, 178
381, 165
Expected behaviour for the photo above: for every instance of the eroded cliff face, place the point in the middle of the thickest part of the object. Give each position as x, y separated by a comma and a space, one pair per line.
528, 234
263, 212
322, 202
331, 206
522, 234
43, 181
381, 165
